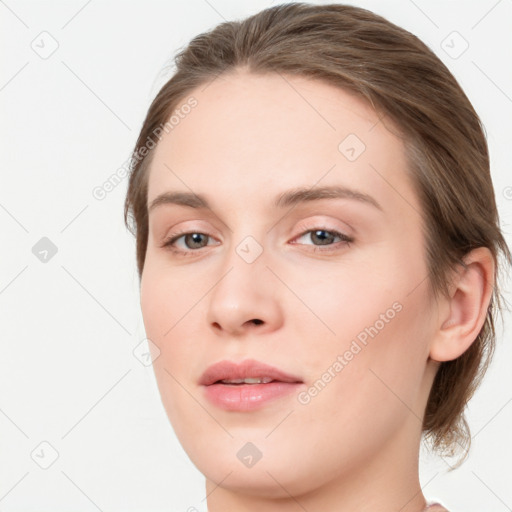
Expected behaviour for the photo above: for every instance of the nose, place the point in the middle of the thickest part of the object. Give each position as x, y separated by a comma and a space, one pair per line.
246, 299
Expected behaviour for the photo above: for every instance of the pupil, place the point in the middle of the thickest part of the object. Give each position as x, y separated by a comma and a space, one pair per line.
324, 240
196, 238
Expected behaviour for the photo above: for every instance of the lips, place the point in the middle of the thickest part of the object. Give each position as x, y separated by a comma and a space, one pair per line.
246, 386
248, 369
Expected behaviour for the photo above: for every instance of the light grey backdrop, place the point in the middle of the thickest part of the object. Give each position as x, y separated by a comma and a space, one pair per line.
81, 423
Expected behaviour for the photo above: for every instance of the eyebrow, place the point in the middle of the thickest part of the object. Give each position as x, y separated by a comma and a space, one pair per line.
286, 199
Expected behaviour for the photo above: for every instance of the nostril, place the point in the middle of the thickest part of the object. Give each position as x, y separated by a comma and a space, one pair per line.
257, 321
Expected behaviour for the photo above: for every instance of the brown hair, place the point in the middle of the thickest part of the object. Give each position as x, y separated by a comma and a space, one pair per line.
395, 72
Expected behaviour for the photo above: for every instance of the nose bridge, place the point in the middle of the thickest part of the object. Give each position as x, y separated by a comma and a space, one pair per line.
243, 270
245, 289
248, 243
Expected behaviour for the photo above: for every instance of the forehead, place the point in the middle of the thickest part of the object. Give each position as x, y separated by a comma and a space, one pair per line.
274, 132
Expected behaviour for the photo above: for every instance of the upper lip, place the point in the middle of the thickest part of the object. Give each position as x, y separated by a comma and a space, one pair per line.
228, 370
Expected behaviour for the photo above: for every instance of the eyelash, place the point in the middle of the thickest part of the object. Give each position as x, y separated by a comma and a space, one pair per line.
168, 243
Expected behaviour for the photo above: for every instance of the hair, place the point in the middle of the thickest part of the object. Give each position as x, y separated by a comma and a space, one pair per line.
445, 143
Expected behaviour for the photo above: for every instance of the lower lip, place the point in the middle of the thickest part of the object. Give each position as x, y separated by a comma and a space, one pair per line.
248, 397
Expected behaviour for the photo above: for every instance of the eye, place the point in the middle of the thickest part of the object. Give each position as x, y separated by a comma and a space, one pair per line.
323, 240
193, 240
325, 237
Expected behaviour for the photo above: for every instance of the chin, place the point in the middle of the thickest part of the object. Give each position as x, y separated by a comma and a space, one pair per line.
268, 482
232, 468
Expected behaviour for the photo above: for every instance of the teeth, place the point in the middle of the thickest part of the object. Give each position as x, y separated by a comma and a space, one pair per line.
250, 380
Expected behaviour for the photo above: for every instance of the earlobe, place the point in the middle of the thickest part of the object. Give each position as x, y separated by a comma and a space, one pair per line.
465, 311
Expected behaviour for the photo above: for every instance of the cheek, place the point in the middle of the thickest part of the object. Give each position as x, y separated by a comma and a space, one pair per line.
162, 309
340, 302
385, 375
361, 393
380, 325
164, 298
170, 305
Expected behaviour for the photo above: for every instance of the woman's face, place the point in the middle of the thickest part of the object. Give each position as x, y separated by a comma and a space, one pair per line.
266, 277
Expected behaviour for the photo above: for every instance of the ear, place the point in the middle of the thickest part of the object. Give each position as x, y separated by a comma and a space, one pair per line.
463, 313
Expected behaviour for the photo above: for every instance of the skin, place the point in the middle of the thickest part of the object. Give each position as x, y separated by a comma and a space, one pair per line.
355, 445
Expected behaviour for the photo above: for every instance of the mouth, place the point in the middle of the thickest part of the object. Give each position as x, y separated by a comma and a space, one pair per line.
246, 386
249, 380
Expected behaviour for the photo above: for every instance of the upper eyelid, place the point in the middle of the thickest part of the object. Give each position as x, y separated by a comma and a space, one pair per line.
305, 225
303, 230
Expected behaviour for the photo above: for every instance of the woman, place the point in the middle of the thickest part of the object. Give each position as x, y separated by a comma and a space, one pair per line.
317, 247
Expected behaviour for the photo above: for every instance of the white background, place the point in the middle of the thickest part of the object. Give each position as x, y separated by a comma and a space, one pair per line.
68, 375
